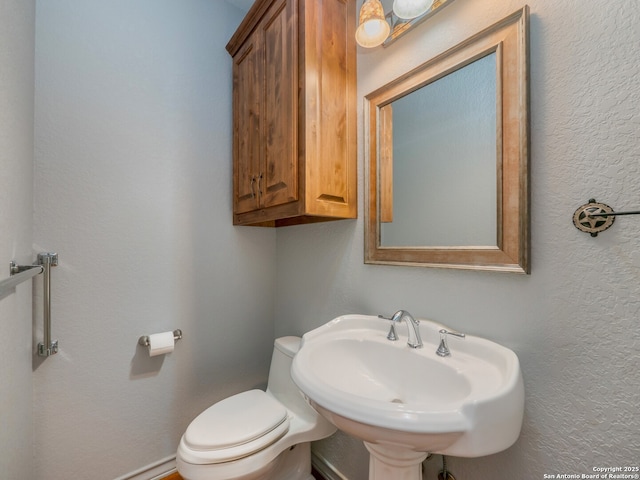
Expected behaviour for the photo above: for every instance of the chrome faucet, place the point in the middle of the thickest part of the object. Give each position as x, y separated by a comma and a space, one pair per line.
413, 327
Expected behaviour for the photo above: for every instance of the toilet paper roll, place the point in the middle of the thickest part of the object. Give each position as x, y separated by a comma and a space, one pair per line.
161, 343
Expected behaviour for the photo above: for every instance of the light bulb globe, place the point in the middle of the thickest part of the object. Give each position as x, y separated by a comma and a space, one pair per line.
409, 9
373, 28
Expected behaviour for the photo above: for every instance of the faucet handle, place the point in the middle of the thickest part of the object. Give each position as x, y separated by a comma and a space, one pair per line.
455, 334
443, 348
392, 331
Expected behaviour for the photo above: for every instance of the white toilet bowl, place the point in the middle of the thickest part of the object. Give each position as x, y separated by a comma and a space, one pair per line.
255, 434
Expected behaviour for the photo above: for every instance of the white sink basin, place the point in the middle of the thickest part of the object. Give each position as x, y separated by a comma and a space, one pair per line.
469, 404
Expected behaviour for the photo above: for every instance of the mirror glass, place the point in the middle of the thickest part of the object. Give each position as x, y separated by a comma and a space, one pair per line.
447, 149
444, 161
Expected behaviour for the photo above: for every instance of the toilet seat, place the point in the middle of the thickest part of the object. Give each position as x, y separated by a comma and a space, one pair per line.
236, 427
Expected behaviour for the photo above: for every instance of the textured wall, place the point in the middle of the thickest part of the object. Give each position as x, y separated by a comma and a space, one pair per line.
17, 24
573, 321
133, 189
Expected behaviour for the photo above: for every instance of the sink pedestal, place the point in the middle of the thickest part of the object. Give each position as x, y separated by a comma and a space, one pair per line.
387, 461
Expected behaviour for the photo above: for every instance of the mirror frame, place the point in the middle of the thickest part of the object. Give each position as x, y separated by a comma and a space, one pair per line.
508, 39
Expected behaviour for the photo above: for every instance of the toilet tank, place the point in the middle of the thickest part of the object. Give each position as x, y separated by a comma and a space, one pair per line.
280, 384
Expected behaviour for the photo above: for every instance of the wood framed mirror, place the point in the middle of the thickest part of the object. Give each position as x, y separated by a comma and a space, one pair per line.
448, 166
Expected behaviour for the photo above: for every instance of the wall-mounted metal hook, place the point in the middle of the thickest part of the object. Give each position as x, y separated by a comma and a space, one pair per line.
595, 217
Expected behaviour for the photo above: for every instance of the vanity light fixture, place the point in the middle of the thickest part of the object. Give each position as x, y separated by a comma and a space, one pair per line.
373, 28
409, 9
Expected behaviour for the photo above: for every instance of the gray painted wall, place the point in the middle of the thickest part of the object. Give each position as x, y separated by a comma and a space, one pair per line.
133, 189
17, 24
573, 321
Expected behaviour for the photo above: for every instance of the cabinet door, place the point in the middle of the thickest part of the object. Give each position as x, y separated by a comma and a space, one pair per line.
247, 105
279, 177
330, 108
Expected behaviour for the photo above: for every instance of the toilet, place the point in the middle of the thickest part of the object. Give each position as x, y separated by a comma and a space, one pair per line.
255, 434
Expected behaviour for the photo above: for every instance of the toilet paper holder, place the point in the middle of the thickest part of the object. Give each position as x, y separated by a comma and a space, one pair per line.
144, 340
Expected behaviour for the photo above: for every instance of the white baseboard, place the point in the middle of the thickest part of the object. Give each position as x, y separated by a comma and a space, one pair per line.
325, 468
154, 471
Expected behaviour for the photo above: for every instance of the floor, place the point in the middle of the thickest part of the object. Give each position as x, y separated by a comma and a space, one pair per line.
176, 476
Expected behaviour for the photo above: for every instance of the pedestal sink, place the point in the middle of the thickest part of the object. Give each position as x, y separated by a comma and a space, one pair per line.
404, 402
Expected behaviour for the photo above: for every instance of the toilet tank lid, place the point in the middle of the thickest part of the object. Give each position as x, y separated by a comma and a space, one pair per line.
288, 345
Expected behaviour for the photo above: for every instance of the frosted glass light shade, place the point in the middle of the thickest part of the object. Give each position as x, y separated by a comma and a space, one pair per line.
373, 28
408, 9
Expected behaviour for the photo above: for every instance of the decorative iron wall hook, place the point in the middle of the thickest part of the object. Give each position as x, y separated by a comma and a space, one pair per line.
595, 217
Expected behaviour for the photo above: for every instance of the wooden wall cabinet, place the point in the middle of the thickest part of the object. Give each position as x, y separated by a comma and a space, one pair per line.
294, 113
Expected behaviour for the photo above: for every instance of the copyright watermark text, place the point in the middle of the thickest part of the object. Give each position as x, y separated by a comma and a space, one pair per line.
600, 473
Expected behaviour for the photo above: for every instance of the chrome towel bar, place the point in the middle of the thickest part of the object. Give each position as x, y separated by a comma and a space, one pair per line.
20, 273
47, 347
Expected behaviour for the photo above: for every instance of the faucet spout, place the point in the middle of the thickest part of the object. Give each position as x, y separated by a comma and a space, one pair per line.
413, 327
